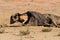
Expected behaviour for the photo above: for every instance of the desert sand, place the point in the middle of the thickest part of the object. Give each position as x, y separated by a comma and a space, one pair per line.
10, 7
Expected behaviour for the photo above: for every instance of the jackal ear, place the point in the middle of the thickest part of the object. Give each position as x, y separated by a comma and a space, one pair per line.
18, 14
29, 13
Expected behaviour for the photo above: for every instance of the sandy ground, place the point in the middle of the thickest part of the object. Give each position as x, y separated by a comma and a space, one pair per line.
12, 33
10, 7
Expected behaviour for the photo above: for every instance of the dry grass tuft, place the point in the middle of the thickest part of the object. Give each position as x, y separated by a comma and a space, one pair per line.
46, 30
1, 29
58, 34
22, 32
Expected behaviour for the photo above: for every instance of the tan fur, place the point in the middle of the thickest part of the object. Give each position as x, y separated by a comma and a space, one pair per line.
24, 17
